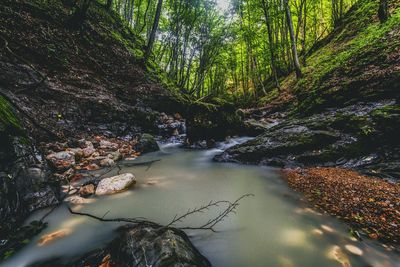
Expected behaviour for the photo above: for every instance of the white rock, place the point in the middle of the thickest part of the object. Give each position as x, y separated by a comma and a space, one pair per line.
115, 184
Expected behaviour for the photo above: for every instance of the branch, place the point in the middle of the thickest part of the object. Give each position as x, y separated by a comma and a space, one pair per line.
209, 225
138, 220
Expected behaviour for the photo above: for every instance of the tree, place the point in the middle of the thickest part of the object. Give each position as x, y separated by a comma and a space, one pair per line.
152, 37
289, 21
270, 42
383, 12
109, 4
79, 15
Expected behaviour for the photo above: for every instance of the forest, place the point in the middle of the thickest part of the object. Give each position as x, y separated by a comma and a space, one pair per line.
224, 133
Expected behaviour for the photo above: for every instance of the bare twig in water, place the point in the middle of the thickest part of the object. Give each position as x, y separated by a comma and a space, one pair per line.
209, 225
138, 220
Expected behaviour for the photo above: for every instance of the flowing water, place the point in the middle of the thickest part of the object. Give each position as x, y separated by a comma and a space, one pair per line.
273, 228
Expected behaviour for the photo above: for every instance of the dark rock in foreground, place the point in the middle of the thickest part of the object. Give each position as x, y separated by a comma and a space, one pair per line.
142, 245
362, 136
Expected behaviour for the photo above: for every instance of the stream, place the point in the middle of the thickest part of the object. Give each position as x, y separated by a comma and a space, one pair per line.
275, 227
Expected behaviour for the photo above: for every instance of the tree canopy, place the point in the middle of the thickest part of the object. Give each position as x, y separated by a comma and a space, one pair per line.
240, 48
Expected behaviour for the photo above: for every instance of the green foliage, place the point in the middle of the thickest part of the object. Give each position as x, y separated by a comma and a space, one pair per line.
8, 120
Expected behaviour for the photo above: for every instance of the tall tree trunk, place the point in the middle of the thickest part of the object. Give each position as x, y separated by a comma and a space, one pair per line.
383, 12
109, 4
270, 43
153, 30
304, 33
79, 16
296, 62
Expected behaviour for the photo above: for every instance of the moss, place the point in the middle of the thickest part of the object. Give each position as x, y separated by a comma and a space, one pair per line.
359, 42
270, 96
8, 120
386, 112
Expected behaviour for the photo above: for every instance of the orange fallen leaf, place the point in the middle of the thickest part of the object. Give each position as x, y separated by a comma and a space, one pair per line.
44, 240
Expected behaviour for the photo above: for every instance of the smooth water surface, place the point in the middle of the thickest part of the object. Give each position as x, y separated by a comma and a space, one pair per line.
272, 228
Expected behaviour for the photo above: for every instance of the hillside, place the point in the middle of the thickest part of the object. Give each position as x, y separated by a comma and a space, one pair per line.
344, 111
67, 78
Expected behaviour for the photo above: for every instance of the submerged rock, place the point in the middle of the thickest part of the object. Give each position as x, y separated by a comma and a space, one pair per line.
115, 184
142, 246
146, 143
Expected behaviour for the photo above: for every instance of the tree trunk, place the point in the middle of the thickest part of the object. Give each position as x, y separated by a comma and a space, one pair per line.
296, 62
270, 43
109, 4
153, 30
79, 16
383, 12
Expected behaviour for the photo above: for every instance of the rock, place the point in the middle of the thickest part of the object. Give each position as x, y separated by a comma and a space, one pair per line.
360, 136
116, 155
107, 162
88, 151
115, 184
142, 246
77, 200
210, 143
36, 174
78, 152
62, 160
40, 199
108, 145
175, 132
146, 143
87, 190
177, 116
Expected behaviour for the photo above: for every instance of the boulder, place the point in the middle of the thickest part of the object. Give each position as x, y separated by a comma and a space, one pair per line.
142, 245
43, 198
363, 136
146, 143
62, 160
115, 184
